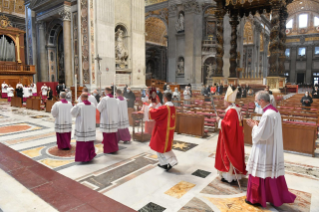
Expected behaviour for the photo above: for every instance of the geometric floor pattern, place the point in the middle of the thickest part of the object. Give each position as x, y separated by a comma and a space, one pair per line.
133, 178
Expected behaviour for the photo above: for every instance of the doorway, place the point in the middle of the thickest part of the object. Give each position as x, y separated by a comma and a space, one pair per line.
300, 78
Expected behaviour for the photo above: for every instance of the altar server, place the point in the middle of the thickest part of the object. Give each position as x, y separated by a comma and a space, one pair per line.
10, 93
266, 167
123, 134
4, 92
26, 93
163, 133
19, 85
91, 98
63, 122
85, 131
44, 90
109, 121
230, 152
34, 89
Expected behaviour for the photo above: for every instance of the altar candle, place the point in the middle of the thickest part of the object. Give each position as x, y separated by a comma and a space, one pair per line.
76, 89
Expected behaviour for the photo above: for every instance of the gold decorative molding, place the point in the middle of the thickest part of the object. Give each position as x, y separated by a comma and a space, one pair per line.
295, 40
5, 22
312, 39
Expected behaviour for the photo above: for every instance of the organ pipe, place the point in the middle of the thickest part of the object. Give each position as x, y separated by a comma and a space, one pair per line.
7, 50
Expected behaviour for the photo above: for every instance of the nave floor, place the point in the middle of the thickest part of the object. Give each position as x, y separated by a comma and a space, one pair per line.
132, 177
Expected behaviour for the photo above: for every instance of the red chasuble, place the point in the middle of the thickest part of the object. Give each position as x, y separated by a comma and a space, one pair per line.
163, 133
230, 146
153, 94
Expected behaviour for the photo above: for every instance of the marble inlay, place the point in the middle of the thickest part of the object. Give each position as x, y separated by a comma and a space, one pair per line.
62, 153
180, 189
236, 204
17, 128
39, 116
217, 187
201, 173
302, 202
196, 205
33, 152
183, 146
152, 207
110, 177
53, 163
30, 138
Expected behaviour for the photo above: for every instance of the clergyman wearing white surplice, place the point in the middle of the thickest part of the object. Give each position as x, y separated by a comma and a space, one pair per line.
63, 122
85, 129
266, 167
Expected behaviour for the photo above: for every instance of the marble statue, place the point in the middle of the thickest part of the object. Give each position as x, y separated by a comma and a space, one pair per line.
180, 67
180, 23
121, 54
210, 70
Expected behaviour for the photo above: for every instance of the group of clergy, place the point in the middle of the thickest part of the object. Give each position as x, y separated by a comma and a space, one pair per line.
265, 167
113, 125
22, 91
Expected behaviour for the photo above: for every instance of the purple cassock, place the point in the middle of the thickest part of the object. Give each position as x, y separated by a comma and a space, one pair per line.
64, 140
85, 131
110, 142
123, 134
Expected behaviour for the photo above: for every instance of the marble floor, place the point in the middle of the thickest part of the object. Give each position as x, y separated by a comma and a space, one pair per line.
132, 178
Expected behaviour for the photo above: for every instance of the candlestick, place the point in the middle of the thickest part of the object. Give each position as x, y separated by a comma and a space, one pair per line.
76, 89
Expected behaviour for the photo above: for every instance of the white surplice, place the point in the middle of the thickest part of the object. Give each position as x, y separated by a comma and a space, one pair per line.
19, 85
34, 89
44, 90
85, 124
4, 88
26, 93
91, 99
123, 114
109, 119
267, 157
10, 92
63, 119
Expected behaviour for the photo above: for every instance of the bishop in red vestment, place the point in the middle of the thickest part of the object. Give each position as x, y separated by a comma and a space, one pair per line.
230, 152
163, 132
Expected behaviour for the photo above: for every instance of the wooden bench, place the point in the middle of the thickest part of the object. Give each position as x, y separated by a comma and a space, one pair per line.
49, 105
29, 104
191, 124
16, 102
36, 104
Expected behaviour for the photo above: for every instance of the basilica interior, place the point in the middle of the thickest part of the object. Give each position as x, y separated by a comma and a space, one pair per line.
193, 49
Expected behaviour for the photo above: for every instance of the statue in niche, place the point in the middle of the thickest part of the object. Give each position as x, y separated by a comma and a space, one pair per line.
180, 66
210, 69
121, 53
180, 23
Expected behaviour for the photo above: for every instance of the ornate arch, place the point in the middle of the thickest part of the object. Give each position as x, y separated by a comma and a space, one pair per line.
156, 30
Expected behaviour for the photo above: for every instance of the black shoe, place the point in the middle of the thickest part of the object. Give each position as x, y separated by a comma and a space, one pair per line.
224, 181
168, 167
249, 203
163, 167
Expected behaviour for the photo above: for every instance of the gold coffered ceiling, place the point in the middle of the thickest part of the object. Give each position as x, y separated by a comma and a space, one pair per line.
150, 2
155, 31
12, 6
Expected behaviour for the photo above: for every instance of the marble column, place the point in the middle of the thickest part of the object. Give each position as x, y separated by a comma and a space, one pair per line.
258, 30
220, 38
309, 54
265, 58
275, 41
66, 16
240, 44
282, 36
44, 74
293, 59
233, 45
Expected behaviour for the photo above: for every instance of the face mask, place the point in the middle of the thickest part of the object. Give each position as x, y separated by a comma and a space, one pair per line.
94, 94
128, 91
306, 95
157, 91
257, 105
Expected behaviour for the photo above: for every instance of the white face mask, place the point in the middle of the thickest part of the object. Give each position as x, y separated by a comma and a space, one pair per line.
306, 95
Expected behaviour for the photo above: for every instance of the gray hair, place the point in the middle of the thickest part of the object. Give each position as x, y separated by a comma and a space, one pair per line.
62, 95
264, 95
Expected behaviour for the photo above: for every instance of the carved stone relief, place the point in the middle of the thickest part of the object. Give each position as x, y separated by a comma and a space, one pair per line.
121, 52
180, 66
85, 41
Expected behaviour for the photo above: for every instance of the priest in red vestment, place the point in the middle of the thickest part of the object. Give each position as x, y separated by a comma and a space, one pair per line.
163, 132
230, 152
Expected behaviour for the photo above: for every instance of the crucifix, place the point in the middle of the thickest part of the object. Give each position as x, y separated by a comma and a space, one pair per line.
98, 59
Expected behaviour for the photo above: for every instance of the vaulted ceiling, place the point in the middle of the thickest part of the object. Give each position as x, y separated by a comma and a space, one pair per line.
303, 5
155, 31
